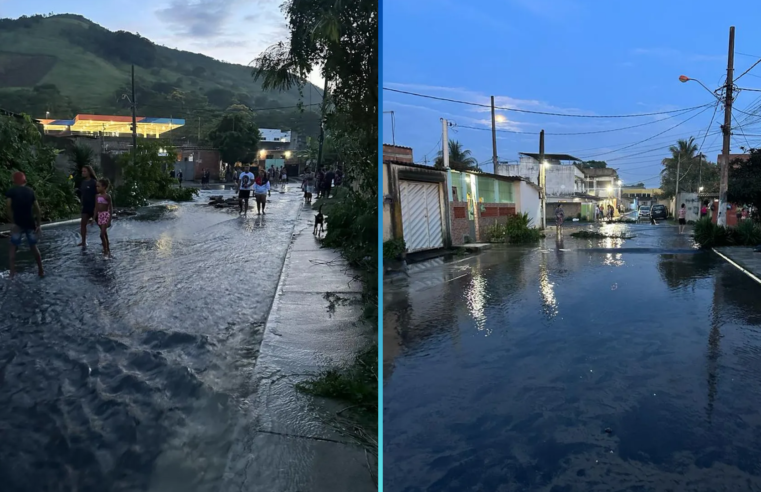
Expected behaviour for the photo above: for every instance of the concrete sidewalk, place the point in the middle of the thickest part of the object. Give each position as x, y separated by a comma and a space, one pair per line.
289, 442
744, 258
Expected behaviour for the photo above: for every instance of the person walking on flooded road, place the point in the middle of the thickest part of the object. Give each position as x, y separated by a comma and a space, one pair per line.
682, 219
245, 185
23, 207
87, 192
261, 189
559, 217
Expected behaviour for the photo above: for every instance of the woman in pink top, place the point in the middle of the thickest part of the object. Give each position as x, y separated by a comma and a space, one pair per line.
682, 219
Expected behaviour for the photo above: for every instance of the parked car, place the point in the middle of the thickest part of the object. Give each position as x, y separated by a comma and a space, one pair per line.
659, 212
643, 213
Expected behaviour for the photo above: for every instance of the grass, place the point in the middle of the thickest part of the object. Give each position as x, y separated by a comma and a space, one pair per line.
90, 79
356, 385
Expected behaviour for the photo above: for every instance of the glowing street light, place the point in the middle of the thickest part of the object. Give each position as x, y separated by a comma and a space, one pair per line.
287, 154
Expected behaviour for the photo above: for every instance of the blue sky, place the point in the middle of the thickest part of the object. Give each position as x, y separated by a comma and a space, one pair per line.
235, 31
589, 57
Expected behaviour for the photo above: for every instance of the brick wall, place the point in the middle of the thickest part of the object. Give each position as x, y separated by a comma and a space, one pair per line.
209, 159
493, 213
460, 224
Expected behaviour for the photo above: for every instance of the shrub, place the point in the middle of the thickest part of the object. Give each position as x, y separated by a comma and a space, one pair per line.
710, 235
394, 248
746, 233
516, 230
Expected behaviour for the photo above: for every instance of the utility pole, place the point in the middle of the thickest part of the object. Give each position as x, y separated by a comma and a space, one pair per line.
726, 129
676, 193
493, 136
134, 118
199, 130
542, 180
322, 125
445, 143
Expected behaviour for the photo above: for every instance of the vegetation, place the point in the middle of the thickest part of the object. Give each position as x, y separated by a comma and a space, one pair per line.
237, 137
342, 38
21, 149
86, 69
393, 249
694, 170
595, 164
709, 235
745, 180
148, 177
460, 159
81, 155
516, 230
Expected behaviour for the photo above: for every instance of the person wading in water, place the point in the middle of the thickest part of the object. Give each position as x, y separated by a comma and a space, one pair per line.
87, 192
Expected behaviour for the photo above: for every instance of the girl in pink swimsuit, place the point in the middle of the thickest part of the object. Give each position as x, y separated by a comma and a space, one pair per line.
103, 213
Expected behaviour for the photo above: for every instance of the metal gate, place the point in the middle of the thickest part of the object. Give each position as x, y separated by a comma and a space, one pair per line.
421, 215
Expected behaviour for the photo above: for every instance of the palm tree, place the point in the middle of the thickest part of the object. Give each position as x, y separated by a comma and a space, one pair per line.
684, 157
80, 155
460, 159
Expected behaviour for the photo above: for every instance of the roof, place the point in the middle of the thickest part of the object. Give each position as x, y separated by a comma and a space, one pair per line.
554, 157
599, 171
272, 135
397, 146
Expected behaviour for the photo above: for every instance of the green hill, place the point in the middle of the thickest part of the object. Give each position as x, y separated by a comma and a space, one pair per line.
61, 65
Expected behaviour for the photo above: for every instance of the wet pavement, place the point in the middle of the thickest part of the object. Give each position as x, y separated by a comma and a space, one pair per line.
134, 374
581, 365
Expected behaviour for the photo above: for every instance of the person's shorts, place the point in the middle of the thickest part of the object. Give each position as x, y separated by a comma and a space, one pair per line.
682, 221
245, 194
103, 218
18, 235
261, 198
88, 210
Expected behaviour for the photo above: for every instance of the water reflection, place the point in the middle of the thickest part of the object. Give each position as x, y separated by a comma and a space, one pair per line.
626, 354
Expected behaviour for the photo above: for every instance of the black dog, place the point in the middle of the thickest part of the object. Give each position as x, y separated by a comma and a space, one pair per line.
319, 220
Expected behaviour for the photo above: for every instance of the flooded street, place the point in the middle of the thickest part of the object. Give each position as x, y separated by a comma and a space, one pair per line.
132, 374
580, 365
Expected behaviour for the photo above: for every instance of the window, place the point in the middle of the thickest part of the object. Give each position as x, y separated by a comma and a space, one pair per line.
487, 189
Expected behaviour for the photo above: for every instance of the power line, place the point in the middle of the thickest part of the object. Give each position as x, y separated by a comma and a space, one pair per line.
748, 70
545, 113
577, 133
649, 138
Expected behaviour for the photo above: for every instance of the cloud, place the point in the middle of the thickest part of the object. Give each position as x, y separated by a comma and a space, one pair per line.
198, 18
671, 53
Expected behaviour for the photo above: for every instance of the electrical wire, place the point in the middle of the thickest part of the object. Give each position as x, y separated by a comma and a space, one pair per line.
649, 138
576, 133
748, 70
545, 113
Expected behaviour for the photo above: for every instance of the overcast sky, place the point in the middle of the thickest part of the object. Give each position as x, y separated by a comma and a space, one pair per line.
235, 31
589, 57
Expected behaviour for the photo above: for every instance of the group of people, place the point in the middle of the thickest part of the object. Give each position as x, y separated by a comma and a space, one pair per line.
603, 212
247, 183
24, 209
278, 174
321, 182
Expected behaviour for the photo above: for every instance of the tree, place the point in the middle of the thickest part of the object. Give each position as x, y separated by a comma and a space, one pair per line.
595, 164
80, 155
694, 170
236, 136
459, 159
744, 185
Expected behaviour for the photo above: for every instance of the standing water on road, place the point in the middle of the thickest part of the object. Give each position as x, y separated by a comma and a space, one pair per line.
580, 365
131, 374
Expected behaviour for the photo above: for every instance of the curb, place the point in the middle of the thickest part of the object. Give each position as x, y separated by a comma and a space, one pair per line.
737, 265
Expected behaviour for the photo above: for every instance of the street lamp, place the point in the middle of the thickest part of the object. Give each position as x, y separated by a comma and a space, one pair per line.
287, 154
684, 78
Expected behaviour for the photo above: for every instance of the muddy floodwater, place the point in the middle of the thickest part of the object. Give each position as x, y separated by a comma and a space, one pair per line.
578, 365
131, 374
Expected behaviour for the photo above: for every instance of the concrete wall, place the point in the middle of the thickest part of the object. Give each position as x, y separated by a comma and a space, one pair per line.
562, 180
388, 232
528, 201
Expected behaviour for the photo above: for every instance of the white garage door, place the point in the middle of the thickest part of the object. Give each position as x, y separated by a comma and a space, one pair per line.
421, 215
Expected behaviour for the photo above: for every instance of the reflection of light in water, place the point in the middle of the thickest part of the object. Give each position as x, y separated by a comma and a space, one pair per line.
614, 259
476, 297
546, 289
